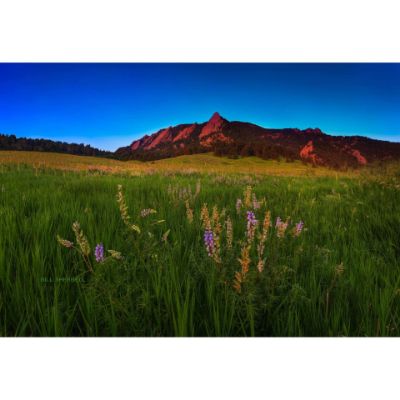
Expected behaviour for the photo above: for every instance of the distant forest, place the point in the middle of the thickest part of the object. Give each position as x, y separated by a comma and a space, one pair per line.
11, 142
231, 150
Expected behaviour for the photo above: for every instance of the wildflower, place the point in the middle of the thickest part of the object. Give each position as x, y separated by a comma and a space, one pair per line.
239, 205
99, 252
217, 233
298, 228
247, 197
251, 218
256, 203
205, 217
260, 266
215, 215
229, 233
146, 212
65, 243
281, 227
237, 282
267, 222
262, 239
189, 212
209, 241
251, 225
244, 261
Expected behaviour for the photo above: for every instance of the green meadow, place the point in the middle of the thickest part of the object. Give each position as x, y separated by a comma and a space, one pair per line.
337, 276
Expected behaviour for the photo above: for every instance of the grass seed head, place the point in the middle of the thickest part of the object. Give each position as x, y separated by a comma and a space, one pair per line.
123, 209
146, 212
81, 239
65, 243
115, 254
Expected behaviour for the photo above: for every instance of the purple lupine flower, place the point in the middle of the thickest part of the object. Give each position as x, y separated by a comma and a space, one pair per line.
99, 252
251, 218
209, 241
251, 225
298, 228
278, 222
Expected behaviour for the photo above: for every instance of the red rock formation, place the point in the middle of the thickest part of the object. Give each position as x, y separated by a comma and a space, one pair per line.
213, 125
185, 133
307, 150
141, 142
164, 136
231, 137
308, 153
217, 137
360, 158
135, 145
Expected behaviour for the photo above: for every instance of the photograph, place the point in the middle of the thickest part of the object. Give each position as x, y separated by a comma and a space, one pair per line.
199, 199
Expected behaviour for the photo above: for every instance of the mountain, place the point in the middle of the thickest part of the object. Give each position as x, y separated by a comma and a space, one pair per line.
235, 139
232, 139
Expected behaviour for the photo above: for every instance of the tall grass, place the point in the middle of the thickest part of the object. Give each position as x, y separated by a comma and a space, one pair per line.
340, 276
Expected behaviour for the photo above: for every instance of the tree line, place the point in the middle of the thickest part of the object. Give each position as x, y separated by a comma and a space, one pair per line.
11, 142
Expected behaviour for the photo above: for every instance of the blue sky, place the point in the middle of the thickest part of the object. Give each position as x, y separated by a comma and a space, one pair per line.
110, 105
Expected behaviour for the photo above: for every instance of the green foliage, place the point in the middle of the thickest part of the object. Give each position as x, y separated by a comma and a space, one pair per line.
341, 276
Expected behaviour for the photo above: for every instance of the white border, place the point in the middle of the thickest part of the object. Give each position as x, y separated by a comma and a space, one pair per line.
199, 31
206, 31
199, 368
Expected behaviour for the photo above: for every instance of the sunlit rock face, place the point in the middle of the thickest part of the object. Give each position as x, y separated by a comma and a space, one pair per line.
241, 139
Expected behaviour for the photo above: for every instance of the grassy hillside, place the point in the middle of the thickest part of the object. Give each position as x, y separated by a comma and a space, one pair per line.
339, 276
183, 164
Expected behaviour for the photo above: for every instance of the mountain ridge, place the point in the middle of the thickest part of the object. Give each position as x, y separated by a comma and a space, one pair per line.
232, 139
236, 138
